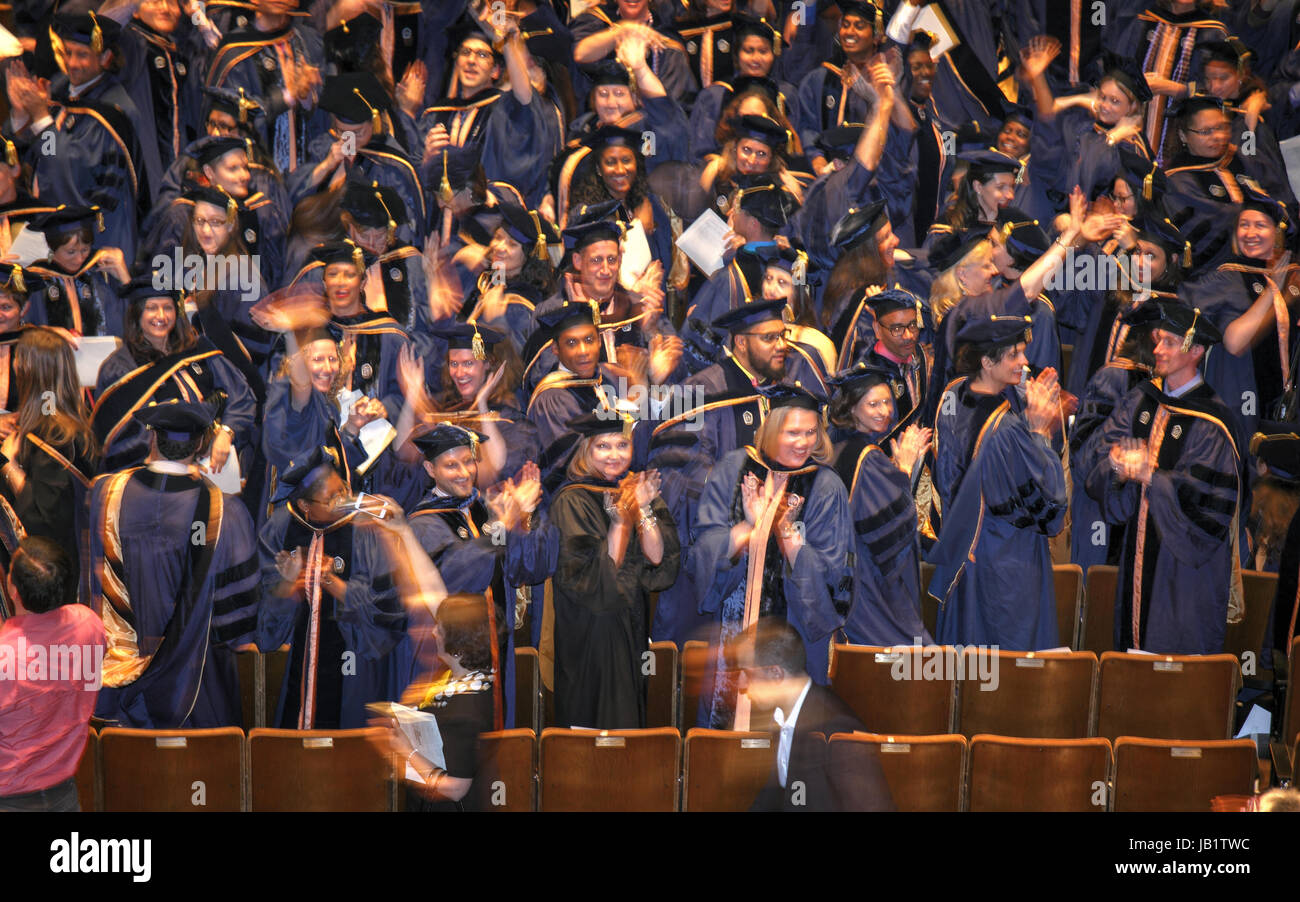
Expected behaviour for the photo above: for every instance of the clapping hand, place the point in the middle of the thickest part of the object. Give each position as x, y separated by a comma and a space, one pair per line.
1043, 395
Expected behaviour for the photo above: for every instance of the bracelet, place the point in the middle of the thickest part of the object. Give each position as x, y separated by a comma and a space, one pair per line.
222, 427
647, 522
1062, 243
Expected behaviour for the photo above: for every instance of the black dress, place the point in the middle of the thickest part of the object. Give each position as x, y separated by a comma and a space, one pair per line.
463, 709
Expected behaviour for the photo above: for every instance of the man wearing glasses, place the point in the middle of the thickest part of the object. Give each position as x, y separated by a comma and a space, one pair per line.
896, 324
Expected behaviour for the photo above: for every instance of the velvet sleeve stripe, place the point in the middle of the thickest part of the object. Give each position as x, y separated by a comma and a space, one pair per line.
888, 546
236, 573
1213, 477
883, 516
224, 607
227, 632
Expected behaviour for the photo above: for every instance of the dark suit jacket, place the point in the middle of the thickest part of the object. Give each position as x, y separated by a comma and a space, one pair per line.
818, 780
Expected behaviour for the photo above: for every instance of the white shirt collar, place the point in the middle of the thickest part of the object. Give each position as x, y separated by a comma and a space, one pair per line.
77, 90
169, 467
1184, 389
787, 725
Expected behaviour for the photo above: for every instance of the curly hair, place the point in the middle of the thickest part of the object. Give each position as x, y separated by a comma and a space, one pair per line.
589, 187
463, 621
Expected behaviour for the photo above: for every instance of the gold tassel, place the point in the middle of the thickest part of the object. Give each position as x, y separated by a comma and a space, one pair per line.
539, 249
392, 224
1147, 182
232, 210
99, 218
1187, 255
628, 423
96, 36
375, 122
445, 194
776, 39
17, 279
358, 258
1190, 333
11, 153
799, 272
244, 105
595, 312
477, 347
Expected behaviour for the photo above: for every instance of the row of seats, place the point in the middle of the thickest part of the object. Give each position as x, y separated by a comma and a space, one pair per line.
653, 770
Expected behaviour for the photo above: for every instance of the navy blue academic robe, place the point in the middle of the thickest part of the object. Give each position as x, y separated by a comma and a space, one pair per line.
812, 594
1092, 541
289, 435
174, 608
886, 548
98, 310
707, 113
349, 666
1173, 597
474, 561
263, 227
1200, 202
1003, 493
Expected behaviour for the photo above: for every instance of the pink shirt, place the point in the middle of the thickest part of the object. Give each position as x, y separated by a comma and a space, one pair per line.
49, 680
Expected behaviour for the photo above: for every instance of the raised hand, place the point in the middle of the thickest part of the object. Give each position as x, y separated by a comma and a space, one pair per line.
910, 447
1037, 55
489, 386
1043, 395
410, 90
528, 487
665, 354
647, 487
752, 498
410, 374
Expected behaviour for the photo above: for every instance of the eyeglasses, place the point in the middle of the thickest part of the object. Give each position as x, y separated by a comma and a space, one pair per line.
1221, 128
769, 338
902, 329
212, 224
480, 55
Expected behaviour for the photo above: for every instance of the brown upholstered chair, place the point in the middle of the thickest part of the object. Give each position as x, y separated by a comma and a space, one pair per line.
1097, 630
610, 770
172, 770
1170, 775
724, 770
528, 689
1068, 581
507, 775
1167, 696
88, 773
318, 770
1009, 774
864, 676
662, 686
924, 773
1049, 695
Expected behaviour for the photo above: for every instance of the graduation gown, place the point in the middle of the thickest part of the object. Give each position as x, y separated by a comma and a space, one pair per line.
1203, 199
263, 226
289, 435
83, 302
161, 62
123, 387
1179, 564
812, 594
706, 113
403, 293
473, 560
174, 609
601, 611
560, 397
1092, 541
671, 65
348, 664
1003, 494
886, 551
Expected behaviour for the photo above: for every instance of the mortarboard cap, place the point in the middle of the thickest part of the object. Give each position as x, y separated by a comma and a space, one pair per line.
208, 150
761, 128
748, 315
859, 224
950, 248
342, 251
1177, 317
355, 98
1277, 447
997, 329
446, 437
372, 205
176, 420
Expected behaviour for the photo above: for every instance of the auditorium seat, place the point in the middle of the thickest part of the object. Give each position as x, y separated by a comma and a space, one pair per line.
528, 689
1097, 620
1167, 696
172, 770
507, 775
695, 665
924, 773
1011, 774
1248, 635
929, 604
317, 770
1048, 695
1172, 775
88, 773
724, 770
273, 665
864, 677
252, 689
661, 685
1068, 582
610, 770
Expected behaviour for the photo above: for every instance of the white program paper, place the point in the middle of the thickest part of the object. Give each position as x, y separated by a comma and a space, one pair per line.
28, 246
229, 479
420, 729
636, 254
704, 240
375, 436
933, 21
1291, 157
94, 350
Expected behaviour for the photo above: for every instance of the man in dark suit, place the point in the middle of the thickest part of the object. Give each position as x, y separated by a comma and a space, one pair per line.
810, 774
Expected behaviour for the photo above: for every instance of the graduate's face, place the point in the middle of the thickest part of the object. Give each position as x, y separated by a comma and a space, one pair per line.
612, 102
319, 506
222, 124
1008, 367
230, 173
763, 349
1149, 262
632, 9
887, 242
323, 364
856, 35
578, 348
1013, 139
797, 438
922, 68
373, 240
717, 7
454, 471
610, 455
82, 63
975, 275
597, 267
1256, 235
343, 287
1113, 103
506, 253
157, 320
1002, 257
467, 374
874, 412
72, 254
995, 193
161, 15
778, 285
1222, 80
1171, 359
212, 227
618, 170
476, 68
1207, 134
1124, 198
753, 157
11, 312
755, 56
898, 332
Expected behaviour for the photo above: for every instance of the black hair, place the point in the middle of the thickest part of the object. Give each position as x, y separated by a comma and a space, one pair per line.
178, 450
967, 361
42, 576
777, 643
463, 619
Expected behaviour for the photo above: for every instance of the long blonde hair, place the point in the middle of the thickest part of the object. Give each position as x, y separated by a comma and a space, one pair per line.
945, 292
769, 432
